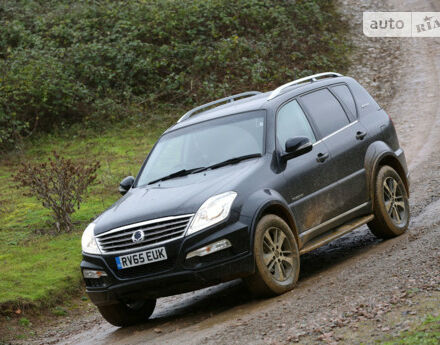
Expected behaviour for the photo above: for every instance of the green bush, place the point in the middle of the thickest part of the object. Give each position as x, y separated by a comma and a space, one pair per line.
37, 89
69, 61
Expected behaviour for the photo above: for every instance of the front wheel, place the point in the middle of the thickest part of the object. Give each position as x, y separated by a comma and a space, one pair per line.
127, 314
391, 205
276, 258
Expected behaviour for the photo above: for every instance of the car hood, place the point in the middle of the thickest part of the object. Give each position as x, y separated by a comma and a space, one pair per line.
178, 196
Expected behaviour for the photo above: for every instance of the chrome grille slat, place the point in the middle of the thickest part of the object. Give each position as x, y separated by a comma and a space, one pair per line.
148, 222
127, 243
105, 245
145, 242
156, 232
180, 222
127, 235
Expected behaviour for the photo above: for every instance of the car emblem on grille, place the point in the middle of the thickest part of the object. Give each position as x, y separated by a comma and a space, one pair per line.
138, 236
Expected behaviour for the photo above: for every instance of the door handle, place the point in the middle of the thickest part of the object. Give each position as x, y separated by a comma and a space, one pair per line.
360, 135
322, 157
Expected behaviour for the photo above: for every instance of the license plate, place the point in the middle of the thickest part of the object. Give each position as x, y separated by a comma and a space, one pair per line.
142, 258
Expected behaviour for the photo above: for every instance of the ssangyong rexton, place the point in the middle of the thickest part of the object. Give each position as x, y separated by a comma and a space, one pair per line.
242, 189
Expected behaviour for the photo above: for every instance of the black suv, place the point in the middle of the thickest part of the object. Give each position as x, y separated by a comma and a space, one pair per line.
241, 187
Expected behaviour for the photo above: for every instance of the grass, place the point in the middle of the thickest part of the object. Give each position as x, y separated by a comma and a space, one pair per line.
428, 333
24, 322
38, 269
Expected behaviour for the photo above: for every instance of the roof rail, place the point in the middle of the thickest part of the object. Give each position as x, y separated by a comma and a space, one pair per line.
311, 78
228, 99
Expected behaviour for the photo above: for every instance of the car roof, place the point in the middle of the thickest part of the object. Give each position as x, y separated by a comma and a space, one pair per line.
243, 105
256, 102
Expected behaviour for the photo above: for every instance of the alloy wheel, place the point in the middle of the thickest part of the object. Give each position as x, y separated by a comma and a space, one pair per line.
277, 254
394, 200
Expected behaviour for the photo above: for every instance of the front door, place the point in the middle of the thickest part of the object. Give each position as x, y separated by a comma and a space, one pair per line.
305, 174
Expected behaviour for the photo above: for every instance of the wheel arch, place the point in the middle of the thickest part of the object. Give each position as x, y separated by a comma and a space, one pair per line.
394, 163
271, 202
378, 155
280, 211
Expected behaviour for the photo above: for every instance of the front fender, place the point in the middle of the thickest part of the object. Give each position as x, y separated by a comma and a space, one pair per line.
267, 201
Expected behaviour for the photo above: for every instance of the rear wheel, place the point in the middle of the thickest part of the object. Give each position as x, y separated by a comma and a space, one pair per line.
276, 257
127, 314
391, 205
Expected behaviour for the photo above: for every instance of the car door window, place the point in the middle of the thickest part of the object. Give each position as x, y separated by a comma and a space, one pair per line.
292, 122
326, 111
346, 97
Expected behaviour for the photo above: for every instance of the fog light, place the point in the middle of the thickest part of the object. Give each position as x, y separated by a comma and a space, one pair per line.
92, 274
210, 248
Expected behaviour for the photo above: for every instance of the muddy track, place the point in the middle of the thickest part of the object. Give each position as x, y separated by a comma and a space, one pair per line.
357, 271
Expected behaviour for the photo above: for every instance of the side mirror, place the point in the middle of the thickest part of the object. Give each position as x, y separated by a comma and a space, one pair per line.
296, 147
126, 184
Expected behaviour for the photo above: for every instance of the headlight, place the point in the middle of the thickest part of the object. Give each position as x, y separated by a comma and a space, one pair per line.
88, 241
213, 211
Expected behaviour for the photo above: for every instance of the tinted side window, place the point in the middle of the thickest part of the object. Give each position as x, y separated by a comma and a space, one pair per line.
326, 111
345, 95
292, 122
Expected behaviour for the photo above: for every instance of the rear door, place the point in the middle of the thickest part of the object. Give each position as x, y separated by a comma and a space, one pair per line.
345, 138
305, 174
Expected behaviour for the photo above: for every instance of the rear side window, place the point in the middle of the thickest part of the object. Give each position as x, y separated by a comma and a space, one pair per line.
292, 122
345, 95
326, 111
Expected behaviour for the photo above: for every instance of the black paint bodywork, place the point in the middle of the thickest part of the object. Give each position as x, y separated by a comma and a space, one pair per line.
311, 196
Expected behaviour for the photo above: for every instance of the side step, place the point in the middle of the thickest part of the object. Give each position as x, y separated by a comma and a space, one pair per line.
335, 233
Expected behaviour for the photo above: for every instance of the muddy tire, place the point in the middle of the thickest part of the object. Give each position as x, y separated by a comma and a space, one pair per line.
276, 258
122, 315
391, 206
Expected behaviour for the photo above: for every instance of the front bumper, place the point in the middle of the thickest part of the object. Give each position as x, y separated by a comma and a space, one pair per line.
176, 274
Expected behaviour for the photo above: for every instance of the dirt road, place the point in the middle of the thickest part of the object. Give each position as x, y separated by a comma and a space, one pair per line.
355, 276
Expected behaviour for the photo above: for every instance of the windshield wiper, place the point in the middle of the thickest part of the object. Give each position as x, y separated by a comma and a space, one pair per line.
185, 172
228, 161
178, 173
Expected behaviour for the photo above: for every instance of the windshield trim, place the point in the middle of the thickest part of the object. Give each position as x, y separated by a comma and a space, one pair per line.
167, 132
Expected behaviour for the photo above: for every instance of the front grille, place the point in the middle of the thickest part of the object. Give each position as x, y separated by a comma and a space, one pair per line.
156, 231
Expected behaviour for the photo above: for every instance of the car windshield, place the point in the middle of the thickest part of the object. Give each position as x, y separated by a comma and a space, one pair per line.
204, 145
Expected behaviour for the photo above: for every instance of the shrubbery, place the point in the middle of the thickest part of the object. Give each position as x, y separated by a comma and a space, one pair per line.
84, 60
60, 185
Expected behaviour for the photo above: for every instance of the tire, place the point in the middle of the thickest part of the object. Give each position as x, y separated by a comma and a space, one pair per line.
276, 258
123, 315
391, 205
